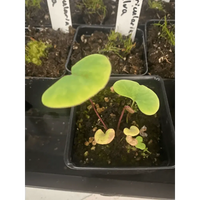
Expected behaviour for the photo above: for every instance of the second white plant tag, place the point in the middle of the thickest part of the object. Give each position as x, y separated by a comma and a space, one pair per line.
60, 14
128, 16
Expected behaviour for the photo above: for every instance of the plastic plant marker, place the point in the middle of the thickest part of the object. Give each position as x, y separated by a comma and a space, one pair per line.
104, 138
89, 76
129, 12
60, 14
133, 131
147, 101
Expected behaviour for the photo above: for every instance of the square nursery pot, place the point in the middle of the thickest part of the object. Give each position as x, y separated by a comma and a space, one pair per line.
170, 91
53, 66
166, 66
160, 52
81, 17
89, 39
41, 121
79, 155
37, 15
40, 124
148, 13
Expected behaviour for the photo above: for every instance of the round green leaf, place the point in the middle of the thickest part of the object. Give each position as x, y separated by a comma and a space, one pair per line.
139, 139
146, 99
89, 76
141, 146
133, 131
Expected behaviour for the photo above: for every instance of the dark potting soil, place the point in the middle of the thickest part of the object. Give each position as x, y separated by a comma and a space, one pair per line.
131, 64
148, 13
54, 64
80, 17
160, 53
35, 16
118, 153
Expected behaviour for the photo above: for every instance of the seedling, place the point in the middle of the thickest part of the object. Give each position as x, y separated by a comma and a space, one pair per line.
156, 4
137, 142
35, 50
89, 76
147, 101
90, 7
104, 138
118, 44
133, 131
166, 33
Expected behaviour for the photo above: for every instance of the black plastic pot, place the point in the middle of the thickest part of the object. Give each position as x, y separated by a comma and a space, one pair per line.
42, 123
88, 30
172, 21
171, 87
110, 18
167, 131
24, 30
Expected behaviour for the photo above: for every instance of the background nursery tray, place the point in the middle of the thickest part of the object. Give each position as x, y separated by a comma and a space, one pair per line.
174, 49
78, 49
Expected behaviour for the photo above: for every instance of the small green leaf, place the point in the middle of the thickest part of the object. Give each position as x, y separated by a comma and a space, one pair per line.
139, 139
146, 99
141, 146
89, 76
133, 131
104, 138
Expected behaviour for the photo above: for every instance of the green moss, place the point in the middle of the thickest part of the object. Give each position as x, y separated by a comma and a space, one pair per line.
35, 50
33, 3
156, 5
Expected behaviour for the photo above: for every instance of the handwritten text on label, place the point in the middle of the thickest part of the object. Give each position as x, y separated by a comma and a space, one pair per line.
60, 14
128, 17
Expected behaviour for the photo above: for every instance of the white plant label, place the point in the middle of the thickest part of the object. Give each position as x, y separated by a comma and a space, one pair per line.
60, 14
128, 16
166, 0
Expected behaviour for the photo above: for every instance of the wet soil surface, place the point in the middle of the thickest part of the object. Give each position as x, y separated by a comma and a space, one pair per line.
160, 53
133, 63
118, 153
54, 64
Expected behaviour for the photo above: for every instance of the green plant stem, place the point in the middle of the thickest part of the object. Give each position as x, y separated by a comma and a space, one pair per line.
98, 115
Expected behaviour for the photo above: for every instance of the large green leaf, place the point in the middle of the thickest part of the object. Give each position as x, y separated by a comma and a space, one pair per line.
145, 98
89, 76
